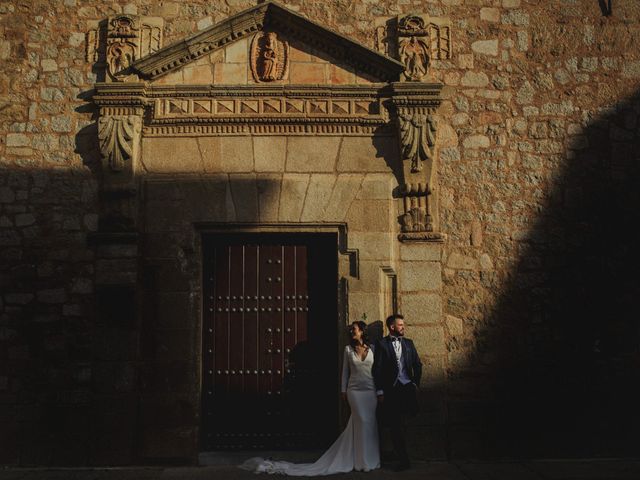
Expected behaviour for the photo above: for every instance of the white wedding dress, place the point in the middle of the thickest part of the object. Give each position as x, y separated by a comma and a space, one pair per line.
357, 446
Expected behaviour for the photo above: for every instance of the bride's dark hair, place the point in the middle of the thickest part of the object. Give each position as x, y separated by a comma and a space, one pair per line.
363, 328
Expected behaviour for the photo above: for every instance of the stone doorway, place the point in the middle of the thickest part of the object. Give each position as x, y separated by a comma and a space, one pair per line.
269, 341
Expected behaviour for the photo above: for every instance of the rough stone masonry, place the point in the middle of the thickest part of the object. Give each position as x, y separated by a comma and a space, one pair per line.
525, 314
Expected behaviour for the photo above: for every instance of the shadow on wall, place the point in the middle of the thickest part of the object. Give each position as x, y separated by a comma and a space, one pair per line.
559, 356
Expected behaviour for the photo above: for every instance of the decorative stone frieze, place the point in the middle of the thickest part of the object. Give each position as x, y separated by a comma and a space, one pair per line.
267, 109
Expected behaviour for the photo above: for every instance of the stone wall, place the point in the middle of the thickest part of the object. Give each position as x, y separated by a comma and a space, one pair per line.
530, 341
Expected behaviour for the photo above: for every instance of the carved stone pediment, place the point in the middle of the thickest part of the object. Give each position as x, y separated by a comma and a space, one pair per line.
268, 21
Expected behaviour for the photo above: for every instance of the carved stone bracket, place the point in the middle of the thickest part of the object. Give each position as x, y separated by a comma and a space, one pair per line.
119, 136
415, 107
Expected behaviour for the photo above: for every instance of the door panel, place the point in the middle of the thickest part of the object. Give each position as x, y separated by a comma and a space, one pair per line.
269, 341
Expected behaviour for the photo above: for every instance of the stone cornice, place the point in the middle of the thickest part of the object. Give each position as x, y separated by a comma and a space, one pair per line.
273, 16
269, 109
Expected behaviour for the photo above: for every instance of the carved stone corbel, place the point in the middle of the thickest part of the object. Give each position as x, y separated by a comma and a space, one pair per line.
119, 138
415, 113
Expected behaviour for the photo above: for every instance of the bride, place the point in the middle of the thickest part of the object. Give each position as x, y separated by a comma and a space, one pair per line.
357, 447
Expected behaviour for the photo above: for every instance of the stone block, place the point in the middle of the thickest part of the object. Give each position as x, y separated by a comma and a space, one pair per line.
245, 196
237, 52
7, 195
317, 197
429, 339
420, 309
307, 73
420, 252
433, 370
344, 191
292, 196
341, 75
230, 74
370, 216
18, 298
377, 186
49, 65
53, 295
417, 276
270, 153
365, 154
24, 219
17, 140
198, 75
489, 14
458, 261
205, 197
373, 246
369, 280
364, 304
485, 47
171, 155
475, 79
236, 154
173, 311
485, 262
454, 325
476, 141
204, 23
312, 154
268, 187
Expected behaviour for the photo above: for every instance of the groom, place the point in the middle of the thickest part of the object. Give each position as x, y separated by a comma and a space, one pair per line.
396, 372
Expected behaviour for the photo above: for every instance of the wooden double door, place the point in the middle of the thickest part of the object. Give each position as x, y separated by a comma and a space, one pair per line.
270, 359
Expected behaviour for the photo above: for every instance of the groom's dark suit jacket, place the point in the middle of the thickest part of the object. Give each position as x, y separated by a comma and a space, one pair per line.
385, 365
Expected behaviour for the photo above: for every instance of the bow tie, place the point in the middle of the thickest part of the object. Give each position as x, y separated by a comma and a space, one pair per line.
395, 339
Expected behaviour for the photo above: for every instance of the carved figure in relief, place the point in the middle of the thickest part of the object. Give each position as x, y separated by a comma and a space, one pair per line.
417, 137
119, 57
414, 53
269, 57
421, 41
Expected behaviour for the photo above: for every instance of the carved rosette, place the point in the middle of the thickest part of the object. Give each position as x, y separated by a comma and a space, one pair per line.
119, 136
269, 57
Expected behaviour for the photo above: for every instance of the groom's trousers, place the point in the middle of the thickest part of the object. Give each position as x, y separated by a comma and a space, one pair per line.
399, 403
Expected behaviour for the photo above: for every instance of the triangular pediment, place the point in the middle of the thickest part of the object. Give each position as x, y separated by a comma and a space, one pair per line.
288, 25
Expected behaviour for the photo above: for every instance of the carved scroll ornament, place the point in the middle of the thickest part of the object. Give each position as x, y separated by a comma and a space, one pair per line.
117, 136
417, 138
269, 57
